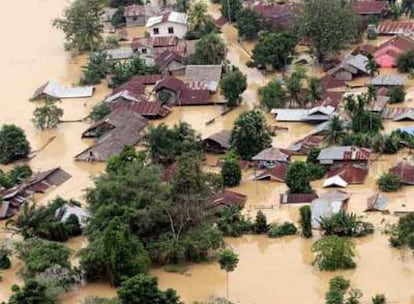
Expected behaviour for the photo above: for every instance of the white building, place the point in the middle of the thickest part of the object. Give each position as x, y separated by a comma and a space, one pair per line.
168, 24
68, 209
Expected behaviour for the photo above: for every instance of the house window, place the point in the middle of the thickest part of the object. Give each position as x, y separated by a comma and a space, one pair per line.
144, 51
156, 31
170, 30
135, 18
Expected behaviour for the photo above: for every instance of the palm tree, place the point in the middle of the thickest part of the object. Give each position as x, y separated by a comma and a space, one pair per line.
371, 65
197, 15
315, 90
228, 261
28, 222
372, 93
336, 130
294, 87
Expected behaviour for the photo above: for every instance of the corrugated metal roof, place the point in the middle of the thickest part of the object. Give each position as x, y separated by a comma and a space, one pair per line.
388, 80
344, 153
175, 17
377, 202
335, 181
148, 109
56, 90
209, 75
120, 53
272, 155
396, 27
319, 113
405, 170
369, 7
358, 61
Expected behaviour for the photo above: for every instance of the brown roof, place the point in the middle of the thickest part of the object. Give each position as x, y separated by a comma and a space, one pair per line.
332, 99
330, 82
194, 97
134, 10
349, 172
272, 10
170, 83
147, 79
400, 42
364, 49
382, 91
148, 109
166, 57
134, 87
219, 22
272, 154
297, 198
378, 104
159, 41
228, 198
277, 173
395, 112
405, 171
369, 7
222, 138
377, 202
304, 145
127, 128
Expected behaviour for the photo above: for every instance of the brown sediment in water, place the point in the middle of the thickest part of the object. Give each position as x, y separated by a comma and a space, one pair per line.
270, 271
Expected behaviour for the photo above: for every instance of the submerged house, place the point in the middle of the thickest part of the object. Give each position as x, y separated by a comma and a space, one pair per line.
55, 90
297, 198
387, 53
147, 109
226, 199
136, 15
304, 145
327, 205
218, 142
405, 28
115, 131
398, 113
64, 212
346, 174
315, 115
171, 63
168, 24
205, 77
331, 155
352, 66
388, 80
270, 157
368, 8
377, 202
275, 173
405, 170
278, 16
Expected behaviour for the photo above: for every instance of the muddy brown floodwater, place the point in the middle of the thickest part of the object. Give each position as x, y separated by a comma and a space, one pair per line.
270, 271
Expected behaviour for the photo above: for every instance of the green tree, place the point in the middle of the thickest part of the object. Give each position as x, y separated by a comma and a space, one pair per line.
371, 65
121, 161
19, 174
306, 221
389, 182
99, 65
166, 144
260, 224
250, 134
337, 288
273, 50
273, 95
329, 25
124, 71
118, 19
281, 230
26, 222
99, 111
13, 144
5, 262
334, 252
142, 289
336, 131
232, 85
47, 116
82, 25
231, 8
372, 93
315, 90
405, 61
210, 49
344, 224
32, 293
232, 223
396, 94
294, 88
228, 261
379, 299
120, 3
230, 170
198, 15
298, 178
249, 23
403, 233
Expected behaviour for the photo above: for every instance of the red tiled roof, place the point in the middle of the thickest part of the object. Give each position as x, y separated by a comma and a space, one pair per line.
148, 109
170, 83
405, 171
166, 57
369, 7
277, 173
194, 97
349, 172
134, 10
329, 82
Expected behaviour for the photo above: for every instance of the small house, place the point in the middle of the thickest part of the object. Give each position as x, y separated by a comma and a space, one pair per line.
55, 90
218, 142
387, 53
370, 8
170, 85
121, 53
297, 198
364, 49
275, 173
270, 157
329, 156
351, 67
377, 202
168, 24
64, 212
171, 63
405, 170
147, 109
328, 83
278, 16
304, 145
327, 205
194, 97
203, 76
378, 104
227, 199
345, 174
315, 115
135, 15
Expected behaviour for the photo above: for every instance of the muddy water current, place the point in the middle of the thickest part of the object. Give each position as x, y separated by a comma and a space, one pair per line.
270, 271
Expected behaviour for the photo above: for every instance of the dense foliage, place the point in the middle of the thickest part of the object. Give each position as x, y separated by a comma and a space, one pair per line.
405, 62
337, 289
299, 175
334, 252
249, 23
273, 50
306, 221
273, 95
99, 111
82, 25
336, 131
5, 262
344, 224
32, 292
283, 229
47, 116
210, 49
15, 176
231, 170
99, 65
232, 223
166, 144
120, 3
403, 233
362, 120
231, 8
329, 25
13, 144
260, 224
228, 260
123, 71
250, 134
396, 94
232, 85
389, 182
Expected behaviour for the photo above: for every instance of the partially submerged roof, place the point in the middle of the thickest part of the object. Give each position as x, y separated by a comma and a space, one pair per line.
388, 80
324, 208
378, 104
156, 42
148, 109
272, 155
134, 10
304, 145
399, 42
405, 170
166, 57
56, 90
358, 61
369, 7
170, 83
398, 113
69, 209
409, 130
209, 75
194, 97
228, 198
347, 173
277, 173
330, 82
377, 202
222, 138
173, 17
297, 198
318, 113
120, 53
344, 153
125, 129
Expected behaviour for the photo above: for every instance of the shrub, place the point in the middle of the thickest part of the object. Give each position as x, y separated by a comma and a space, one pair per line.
313, 156
260, 225
306, 221
316, 171
164, 97
5, 262
403, 233
334, 252
281, 230
389, 182
344, 224
99, 111
405, 62
396, 94
232, 223
13, 144
379, 299
231, 171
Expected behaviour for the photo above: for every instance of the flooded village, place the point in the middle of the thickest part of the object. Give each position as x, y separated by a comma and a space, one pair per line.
340, 143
